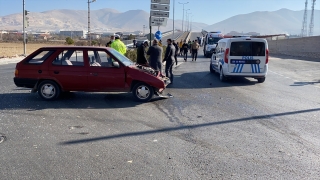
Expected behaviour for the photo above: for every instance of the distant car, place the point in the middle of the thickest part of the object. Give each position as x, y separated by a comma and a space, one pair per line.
139, 42
52, 70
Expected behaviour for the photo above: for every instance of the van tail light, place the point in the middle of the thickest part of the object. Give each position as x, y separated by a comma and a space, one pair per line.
267, 56
226, 55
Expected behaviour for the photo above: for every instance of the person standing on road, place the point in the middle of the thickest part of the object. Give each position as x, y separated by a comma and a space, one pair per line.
185, 48
110, 42
134, 42
180, 47
189, 44
155, 52
119, 45
195, 47
169, 59
142, 54
176, 52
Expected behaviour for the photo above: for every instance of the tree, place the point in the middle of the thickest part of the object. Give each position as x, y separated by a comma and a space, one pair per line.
69, 41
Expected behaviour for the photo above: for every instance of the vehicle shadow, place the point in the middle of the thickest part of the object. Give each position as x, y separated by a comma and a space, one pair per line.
72, 100
205, 79
305, 83
195, 126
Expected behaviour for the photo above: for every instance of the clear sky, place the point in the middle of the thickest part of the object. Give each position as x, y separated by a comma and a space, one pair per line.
206, 11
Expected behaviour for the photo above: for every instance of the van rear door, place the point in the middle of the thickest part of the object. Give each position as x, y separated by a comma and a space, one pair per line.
248, 56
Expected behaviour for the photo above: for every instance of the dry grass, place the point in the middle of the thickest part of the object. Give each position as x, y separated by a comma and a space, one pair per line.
14, 49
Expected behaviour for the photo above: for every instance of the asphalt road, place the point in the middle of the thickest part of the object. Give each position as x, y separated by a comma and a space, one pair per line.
208, 130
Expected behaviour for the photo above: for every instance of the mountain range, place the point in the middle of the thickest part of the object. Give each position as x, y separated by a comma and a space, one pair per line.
263, 22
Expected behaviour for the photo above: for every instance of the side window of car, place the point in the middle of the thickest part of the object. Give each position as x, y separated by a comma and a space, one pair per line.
40, 58
100, 59
69, 58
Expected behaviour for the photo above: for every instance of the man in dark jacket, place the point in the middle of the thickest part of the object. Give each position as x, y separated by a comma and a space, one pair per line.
185, 48
142, 54
155, 52
176, 52
169, 59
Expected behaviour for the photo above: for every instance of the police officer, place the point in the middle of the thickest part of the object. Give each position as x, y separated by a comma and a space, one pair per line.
119, 45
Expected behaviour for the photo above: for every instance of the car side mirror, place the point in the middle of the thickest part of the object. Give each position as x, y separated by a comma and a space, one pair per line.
115, 64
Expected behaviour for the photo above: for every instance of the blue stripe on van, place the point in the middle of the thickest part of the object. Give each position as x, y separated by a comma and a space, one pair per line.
239, 65
252, 68
255, 68
258, 67
241, 68
234, 69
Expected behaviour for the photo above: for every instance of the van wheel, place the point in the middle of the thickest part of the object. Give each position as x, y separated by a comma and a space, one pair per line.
222, 76
261, 80
142, 92
211, 69
48, 90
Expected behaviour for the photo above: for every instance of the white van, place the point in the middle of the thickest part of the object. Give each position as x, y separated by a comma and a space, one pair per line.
241, 56
210, 41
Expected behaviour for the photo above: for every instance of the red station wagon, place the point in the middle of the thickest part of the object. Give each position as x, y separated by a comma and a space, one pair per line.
52, 70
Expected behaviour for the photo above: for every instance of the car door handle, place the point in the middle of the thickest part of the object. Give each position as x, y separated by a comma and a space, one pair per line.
56, 72
39, 71
94, 74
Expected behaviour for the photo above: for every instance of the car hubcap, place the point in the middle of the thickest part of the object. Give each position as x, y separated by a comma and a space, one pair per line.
48, 91
143, 92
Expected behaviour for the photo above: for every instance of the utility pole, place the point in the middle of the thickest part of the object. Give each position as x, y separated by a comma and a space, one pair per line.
89, 33
183, 13
24, 29
173, 19
304, 22
311, 25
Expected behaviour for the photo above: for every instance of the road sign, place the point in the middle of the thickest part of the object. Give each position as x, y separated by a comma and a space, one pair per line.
161, 1
160, 7
158, 35
159, 14
156, 21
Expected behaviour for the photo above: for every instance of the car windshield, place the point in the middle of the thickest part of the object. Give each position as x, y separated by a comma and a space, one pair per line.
122, 58
214, 40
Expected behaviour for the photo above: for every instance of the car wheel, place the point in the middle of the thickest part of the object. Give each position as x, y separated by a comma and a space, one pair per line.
222, 77
261, 80
142, 92
48, 90
211, 69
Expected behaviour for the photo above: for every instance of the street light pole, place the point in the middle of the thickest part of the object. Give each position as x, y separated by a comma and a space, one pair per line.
173, 19
191, 23
89, 33
183, 13
187, 20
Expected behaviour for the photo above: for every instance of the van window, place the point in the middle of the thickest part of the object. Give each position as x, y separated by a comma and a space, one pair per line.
247, 49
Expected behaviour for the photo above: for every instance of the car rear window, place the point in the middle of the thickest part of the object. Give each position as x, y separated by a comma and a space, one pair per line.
247, 49
40, 58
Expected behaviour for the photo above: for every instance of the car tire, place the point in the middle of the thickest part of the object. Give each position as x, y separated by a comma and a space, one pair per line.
211, 69
142, 92
261, 80
48, 90
222, 77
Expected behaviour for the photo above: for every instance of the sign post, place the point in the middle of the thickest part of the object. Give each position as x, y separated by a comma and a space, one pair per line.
159, 15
